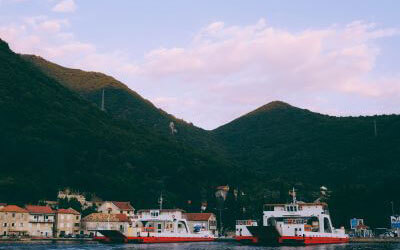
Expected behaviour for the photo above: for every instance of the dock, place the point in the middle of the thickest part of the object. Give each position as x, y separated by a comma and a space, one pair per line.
374, 240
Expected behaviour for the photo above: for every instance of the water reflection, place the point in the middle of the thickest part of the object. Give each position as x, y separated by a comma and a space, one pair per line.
187, 246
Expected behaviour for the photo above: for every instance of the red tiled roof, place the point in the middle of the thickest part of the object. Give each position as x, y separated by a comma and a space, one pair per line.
39, 209
123, 205
100, 217
198, 216
13, 208
122, 217
67, 211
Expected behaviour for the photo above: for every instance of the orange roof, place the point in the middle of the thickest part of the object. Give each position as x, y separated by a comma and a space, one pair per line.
122, 217
13, 208
67, 211
123, 205
39, 209
198, 216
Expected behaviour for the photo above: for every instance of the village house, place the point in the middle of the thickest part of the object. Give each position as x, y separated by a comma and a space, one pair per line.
41, 221
68, 194
116, 207
102, 221
202, 221
14, 221
67, 222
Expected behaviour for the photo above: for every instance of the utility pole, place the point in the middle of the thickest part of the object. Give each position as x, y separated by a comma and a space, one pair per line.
102, 101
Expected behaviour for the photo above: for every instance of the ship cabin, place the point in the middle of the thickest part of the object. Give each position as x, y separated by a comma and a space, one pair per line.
162, 221
298, 218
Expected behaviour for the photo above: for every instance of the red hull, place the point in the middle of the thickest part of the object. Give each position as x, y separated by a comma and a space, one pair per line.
168, 239
156, 239
246, 239
298, 240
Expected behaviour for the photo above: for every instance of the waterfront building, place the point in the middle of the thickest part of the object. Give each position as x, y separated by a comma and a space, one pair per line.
116, 207
67, 222
101, 221
41, 221
14, 221
202, 222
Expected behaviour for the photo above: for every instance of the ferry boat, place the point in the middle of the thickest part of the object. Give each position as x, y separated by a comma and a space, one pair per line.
295, 223
159, 226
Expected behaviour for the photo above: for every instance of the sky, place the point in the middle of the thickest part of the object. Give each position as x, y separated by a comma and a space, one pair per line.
209, 62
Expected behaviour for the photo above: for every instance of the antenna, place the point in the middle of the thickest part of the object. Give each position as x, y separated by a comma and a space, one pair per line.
293, 194
102, 101
160, 201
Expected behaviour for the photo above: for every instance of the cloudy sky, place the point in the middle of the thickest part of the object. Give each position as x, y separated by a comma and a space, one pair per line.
209, 61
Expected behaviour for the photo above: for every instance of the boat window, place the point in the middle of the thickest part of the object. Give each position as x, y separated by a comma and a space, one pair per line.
327, 226
269, 208
154, 213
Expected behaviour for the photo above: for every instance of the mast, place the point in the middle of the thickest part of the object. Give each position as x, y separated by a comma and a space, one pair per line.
293, 194
160, 201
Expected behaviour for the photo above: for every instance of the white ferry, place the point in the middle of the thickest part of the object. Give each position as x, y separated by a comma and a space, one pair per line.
295, 223
160, 226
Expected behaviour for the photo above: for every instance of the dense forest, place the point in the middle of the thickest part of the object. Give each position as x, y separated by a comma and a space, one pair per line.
54, 135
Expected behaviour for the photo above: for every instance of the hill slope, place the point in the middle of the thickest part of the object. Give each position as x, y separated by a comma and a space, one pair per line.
292, 146
53, 138
124, 103
56, 136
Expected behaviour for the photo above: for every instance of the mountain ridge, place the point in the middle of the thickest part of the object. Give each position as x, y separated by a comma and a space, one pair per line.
263, 153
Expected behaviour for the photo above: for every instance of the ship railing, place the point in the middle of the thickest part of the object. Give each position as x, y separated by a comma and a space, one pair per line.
246, 222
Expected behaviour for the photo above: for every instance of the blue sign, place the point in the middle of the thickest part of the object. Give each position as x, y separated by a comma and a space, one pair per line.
354, 223
395, 221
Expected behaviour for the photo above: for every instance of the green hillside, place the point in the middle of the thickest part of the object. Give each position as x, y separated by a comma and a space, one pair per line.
292, 146
124, 103
53, 138
54, 135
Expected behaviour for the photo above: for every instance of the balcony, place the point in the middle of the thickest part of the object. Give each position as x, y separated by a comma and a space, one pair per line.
41, 221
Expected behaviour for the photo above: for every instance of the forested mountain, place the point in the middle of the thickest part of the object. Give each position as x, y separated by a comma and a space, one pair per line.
294, 146
124, 103
54, 135
53, 138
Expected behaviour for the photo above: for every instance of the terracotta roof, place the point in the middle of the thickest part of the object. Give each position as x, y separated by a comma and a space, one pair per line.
39, 209
13, 208
123, 205
100, 217
198, 216
67, 211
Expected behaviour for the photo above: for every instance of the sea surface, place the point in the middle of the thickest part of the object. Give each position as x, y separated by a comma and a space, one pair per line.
189, 246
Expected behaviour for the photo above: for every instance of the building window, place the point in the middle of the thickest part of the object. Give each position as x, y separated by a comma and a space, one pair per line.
12, 224
5, 225
77, 217
13, 215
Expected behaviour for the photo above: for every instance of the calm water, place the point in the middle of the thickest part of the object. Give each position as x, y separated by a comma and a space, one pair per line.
189, 246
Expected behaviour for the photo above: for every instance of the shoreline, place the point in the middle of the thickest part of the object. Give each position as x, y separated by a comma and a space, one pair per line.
374, 240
